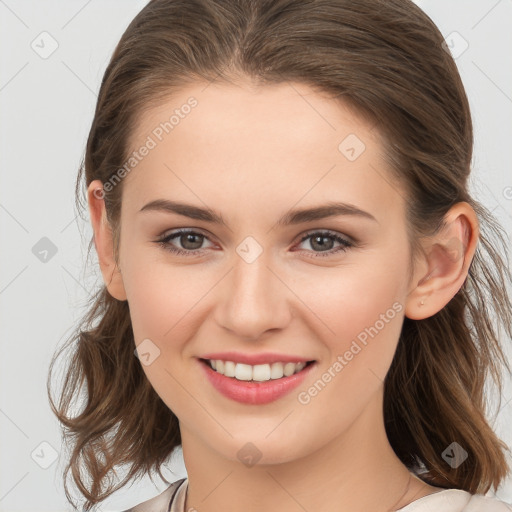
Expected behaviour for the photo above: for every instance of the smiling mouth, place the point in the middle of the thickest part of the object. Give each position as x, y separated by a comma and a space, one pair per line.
255, 373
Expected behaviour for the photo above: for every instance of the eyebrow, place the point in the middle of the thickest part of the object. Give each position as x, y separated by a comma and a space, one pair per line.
297, 216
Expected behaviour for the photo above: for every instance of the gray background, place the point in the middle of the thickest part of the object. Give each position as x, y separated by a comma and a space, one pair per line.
47, 102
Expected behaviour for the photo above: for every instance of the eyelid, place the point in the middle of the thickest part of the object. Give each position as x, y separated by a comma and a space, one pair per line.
330, 232
299, 238
346, 242
175, 233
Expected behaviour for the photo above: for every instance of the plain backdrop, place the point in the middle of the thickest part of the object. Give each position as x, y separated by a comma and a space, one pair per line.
53, 55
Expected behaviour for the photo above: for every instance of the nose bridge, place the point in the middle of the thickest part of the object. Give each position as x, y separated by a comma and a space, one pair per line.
253, 298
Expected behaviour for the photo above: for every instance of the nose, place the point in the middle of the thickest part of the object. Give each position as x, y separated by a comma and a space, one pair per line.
253, 299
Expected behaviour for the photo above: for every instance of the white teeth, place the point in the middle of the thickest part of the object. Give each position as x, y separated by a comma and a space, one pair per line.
243, 371
259, 372
289, 369
229, 369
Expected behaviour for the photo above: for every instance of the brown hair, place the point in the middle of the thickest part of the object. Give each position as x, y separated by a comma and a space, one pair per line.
385, 59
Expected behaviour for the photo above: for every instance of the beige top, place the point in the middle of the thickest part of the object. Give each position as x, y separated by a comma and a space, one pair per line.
456, 500
447, 500
175, 493
178, 501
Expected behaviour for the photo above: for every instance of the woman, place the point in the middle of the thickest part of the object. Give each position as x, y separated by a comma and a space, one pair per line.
295, 286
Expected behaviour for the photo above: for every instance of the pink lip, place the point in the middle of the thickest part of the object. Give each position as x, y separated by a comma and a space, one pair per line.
253, 359
255, 393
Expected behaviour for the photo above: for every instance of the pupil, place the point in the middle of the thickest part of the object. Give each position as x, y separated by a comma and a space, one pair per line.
321, 245
189, 238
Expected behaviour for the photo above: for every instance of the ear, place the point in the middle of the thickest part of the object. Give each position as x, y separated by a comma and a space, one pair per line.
443, 268
103, 241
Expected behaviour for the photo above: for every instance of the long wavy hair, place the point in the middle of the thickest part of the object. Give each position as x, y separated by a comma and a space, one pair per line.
384, 58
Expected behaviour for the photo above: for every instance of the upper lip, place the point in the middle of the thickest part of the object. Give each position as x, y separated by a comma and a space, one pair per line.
253, 359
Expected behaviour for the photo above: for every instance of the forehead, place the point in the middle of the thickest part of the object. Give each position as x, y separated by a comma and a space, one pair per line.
255, 145
265, 111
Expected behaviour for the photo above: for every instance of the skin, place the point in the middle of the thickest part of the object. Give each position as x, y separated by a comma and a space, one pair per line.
252, 154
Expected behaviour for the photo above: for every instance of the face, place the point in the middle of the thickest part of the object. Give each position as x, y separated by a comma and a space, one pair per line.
329, 289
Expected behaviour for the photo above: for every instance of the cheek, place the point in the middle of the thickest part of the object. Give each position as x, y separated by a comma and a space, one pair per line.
361, 314
348, 300
161, 299
364, 319
161, 295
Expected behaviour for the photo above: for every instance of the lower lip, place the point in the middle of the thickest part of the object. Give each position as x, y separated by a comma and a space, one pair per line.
255, 393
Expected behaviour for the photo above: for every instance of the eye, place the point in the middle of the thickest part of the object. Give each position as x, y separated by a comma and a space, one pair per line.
323, 240
191, 242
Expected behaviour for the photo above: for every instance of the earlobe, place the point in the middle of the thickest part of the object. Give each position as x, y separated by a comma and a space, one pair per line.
103, 241
445, 266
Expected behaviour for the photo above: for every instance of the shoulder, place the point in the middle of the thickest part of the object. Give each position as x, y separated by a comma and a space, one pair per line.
160, 502
480, 503
456, 500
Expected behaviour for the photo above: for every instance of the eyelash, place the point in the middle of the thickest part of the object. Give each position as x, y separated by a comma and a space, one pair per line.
164, 243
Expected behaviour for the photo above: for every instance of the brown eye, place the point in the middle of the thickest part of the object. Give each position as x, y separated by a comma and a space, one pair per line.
190, 241
323, 241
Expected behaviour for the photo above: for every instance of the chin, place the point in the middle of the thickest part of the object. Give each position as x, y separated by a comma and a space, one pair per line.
256, 450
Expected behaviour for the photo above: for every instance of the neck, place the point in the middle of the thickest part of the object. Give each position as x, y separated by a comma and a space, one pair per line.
356, 471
